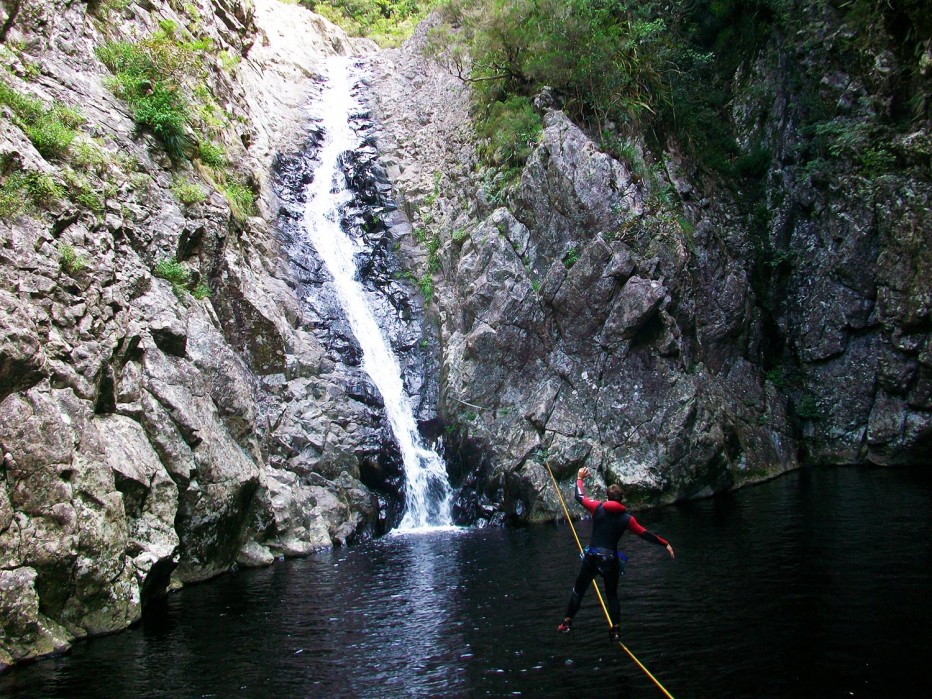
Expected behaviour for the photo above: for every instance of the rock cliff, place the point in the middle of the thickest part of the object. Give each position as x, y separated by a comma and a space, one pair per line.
168, 407
180, 393
646, 319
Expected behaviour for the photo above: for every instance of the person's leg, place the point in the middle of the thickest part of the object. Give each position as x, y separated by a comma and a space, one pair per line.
587, 572
610, 573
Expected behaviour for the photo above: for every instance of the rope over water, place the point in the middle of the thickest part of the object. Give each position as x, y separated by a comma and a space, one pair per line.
599, 592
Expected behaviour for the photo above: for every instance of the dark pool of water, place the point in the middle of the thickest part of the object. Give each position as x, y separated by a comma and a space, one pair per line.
813, 585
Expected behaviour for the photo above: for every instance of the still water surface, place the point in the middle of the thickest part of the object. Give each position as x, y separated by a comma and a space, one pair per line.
817, 584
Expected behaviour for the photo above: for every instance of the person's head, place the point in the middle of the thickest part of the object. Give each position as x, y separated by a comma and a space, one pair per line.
614, 492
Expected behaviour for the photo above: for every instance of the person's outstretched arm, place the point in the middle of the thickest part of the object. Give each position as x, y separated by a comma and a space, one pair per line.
580, 494
636, 528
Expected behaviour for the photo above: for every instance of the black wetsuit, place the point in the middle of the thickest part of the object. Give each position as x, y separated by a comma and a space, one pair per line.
609, 522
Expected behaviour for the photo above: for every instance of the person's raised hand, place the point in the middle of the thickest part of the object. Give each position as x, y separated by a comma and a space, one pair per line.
582, 473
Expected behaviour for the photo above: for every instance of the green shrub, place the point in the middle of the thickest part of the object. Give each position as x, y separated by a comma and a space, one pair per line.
51, 131
12, 199
211, 115
642, 65
241, 199
149, 75
164, 112
174, 273
228, 60
119, 5
808, 409
91, 200
81, 191
876, 161
842, 137
426, 285
122, 57
211, 153
68, 116
42, 189
608, 60
571, 258
864, 144
621, 149
70, 260
21, 191
188, 192
26, 108
511, 130
497, 183
202, 291
776, 377
88, 156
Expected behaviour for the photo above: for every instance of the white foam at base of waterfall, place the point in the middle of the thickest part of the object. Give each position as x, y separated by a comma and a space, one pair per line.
428, 494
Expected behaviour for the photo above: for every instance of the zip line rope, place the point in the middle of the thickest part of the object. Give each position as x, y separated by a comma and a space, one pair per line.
599, 592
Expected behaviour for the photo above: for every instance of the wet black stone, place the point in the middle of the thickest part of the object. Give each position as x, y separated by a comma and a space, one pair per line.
398, 306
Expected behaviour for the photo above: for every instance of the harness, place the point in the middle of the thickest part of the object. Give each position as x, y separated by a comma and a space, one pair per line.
604, 559
603, 554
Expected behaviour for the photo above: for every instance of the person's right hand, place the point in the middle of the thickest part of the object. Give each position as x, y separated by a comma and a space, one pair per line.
582, 473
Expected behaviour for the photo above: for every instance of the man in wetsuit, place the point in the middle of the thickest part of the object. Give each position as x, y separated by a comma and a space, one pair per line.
609, 522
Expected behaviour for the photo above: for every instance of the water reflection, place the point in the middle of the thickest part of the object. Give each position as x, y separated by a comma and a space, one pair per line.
815, 585
409, 631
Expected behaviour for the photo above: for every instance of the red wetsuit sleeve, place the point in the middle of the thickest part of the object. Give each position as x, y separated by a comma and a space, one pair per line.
582, 499
636, 528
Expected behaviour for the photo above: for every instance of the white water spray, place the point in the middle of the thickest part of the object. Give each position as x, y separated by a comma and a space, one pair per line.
427, 490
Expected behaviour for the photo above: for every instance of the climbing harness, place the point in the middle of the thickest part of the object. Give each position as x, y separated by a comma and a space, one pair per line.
605, 555
612, 630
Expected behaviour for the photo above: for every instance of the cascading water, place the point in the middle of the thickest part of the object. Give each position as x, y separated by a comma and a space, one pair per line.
427, 490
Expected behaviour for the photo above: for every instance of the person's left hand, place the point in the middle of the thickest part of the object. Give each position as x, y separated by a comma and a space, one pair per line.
670, 551
582, 473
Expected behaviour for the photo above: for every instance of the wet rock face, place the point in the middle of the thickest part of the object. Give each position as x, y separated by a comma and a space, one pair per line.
585, 323
570, 337
850, 258
339, 389
860, 324
148, 438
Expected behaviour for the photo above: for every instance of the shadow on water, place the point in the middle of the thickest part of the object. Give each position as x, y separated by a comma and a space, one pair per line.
813, 585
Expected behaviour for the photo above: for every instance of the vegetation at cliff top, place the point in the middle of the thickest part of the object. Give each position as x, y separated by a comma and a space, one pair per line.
623, 63
662, 68
387, 22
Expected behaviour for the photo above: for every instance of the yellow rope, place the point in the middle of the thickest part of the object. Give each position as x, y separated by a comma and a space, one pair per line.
599, 592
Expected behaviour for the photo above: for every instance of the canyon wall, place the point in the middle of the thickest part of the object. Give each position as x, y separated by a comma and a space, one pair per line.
676, 332
180, 393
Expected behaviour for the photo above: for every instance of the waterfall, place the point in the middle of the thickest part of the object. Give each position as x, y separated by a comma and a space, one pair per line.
427, 490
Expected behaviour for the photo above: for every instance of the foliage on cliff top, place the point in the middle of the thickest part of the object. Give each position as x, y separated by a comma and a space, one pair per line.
609, 61
663, 67
387, 22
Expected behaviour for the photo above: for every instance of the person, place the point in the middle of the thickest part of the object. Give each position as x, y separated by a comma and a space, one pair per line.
609, 522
